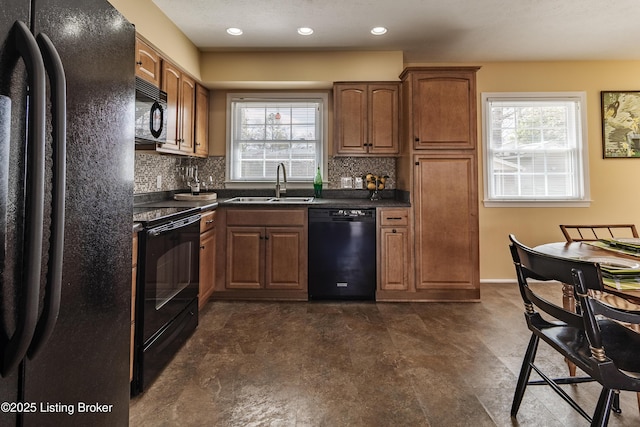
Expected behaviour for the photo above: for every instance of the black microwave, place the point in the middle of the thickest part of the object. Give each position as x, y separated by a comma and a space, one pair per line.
151, 114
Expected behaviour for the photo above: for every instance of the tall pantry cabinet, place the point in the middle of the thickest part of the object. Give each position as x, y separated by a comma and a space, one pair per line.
438, 166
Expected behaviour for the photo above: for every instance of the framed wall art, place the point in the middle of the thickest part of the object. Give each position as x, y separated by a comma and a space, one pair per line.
620, 124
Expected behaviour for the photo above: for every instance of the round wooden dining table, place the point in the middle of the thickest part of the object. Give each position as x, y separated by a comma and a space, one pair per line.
584, 250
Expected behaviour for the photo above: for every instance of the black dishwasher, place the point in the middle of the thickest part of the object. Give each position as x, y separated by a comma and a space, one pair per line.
342, 254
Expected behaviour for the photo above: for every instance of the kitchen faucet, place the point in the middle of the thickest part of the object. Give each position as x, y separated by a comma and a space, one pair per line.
284, 175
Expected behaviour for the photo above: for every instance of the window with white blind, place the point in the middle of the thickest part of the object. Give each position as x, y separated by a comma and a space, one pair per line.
535, 149
268, 129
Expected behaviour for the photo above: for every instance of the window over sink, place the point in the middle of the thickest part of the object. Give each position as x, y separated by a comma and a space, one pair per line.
266, 129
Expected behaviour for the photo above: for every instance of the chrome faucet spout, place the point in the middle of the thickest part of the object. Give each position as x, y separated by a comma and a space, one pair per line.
284, 176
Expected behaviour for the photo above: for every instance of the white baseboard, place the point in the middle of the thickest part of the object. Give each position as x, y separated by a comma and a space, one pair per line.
499, 281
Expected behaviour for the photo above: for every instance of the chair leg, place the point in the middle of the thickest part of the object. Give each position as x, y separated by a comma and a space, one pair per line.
525, 373
603, 409
638, 395
569, 304
615, 405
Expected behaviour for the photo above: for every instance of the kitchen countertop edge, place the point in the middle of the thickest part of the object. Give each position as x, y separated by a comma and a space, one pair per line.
325, 203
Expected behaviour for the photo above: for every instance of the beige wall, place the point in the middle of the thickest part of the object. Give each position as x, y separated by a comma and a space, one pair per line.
612, 181
154, 26
299, 70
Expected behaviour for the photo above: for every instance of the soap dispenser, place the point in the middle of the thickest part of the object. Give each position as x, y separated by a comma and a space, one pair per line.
317, 184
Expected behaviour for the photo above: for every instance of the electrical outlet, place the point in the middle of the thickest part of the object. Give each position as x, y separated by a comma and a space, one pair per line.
159, 182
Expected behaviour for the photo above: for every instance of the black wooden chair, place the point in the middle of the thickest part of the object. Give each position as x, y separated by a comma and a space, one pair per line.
582, 233
590, 337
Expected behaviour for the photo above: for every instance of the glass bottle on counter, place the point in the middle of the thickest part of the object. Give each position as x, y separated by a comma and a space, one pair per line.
317, 184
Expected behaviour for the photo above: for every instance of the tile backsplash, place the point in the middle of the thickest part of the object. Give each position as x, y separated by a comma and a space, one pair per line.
150, 166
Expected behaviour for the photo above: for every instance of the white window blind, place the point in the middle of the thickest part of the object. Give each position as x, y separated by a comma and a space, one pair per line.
267, 131
535, 149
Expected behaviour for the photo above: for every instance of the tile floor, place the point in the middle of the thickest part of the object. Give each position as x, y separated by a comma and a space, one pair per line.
362, 364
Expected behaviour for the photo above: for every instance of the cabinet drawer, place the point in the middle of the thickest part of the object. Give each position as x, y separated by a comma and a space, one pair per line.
393, 217
267, 217
208, 221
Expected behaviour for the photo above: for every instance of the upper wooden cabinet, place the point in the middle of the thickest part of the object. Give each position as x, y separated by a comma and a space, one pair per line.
187, 102
444, 107
366, 118
202, 121
180, 90
147, 63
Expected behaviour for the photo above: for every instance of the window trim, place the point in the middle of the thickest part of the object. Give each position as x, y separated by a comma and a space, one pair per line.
581, 98
263, 96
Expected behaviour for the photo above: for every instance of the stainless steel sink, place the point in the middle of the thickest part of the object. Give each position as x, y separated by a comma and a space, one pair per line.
250, 200
292, 200
281, 200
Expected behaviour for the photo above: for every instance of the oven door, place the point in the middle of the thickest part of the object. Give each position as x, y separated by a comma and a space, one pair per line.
171, 272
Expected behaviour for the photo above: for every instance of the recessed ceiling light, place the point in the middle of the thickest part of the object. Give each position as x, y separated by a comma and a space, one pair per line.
305, 31
234, 31
378, 31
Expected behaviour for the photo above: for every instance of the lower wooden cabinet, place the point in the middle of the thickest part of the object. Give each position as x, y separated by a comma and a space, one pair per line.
134, 274
266, 253
446, 225
208, 231
395, 261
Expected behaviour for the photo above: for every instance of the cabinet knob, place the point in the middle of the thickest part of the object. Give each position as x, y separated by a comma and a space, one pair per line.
417, 139
394, 231
138, 62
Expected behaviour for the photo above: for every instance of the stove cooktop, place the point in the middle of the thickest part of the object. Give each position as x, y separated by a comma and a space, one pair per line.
152, 216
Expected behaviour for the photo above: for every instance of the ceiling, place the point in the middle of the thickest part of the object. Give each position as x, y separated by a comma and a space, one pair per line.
425, 30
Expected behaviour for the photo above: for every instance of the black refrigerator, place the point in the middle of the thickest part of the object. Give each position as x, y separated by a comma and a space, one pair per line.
66, 203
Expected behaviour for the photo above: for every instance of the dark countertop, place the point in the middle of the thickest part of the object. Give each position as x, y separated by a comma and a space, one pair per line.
355, 199
326, 203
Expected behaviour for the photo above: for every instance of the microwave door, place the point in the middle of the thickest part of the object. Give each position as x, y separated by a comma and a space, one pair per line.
156, 120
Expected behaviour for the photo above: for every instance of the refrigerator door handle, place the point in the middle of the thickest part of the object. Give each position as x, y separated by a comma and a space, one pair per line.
27, 314
58, 84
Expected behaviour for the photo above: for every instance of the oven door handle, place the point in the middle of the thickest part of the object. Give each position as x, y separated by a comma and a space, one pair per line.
173, 225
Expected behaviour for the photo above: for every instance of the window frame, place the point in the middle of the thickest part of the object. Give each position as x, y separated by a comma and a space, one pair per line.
323, 97
582, 172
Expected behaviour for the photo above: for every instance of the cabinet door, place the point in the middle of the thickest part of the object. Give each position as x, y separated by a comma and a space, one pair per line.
202, 121
171, 85
286, 252
147, 63
207, 265
187, 113
350, 118
383, 133
395, 258
245, 257
444, 110
446, 221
